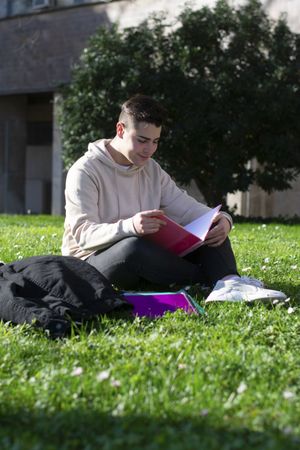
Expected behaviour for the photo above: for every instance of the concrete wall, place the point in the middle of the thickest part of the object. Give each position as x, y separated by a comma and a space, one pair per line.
21, 164
3, 8
58, 175
12, 151
38, 179
257, 203
130, 12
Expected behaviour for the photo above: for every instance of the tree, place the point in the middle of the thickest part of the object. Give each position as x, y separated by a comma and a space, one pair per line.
229, 78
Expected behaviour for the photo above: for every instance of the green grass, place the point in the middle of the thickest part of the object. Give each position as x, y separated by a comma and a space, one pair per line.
228, 380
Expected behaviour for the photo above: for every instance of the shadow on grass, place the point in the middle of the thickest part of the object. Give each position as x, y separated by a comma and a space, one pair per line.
87, 429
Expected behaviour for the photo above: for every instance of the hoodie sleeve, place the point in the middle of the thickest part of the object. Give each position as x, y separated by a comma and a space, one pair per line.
180, 206
84, 231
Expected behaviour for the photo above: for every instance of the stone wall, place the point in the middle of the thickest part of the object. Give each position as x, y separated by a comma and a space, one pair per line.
40, 50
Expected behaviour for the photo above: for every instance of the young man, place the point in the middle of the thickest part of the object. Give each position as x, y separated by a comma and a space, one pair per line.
116, 194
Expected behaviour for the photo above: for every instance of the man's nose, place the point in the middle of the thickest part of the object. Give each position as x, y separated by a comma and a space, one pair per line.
149, 147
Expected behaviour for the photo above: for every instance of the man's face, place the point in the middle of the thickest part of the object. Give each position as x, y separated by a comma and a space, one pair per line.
139, 143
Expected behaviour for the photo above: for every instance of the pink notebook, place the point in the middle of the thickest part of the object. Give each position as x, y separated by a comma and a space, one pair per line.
183, 240
155, 304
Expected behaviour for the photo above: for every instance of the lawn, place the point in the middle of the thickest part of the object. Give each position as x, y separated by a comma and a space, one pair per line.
226, 380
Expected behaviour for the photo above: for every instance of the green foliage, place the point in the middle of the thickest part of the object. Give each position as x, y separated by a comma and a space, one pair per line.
226, 380
230, 80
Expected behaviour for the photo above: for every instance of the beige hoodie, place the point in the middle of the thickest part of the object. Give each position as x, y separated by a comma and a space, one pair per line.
102, 197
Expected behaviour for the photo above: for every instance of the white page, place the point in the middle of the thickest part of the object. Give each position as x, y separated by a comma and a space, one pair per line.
200, 226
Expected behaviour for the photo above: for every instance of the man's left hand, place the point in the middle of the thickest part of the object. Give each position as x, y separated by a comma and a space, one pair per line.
219, 232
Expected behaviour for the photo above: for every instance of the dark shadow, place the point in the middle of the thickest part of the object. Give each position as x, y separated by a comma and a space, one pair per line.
87, 428
279, 220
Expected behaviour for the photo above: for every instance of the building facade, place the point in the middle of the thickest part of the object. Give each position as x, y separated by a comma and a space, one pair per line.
41, 41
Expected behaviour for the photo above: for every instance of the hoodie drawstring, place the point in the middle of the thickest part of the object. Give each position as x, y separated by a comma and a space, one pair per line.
117, 191
139, 190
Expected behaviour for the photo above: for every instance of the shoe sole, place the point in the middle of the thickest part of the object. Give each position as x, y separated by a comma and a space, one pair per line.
240, 300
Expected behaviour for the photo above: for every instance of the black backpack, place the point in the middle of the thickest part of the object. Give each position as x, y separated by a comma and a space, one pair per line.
51, 292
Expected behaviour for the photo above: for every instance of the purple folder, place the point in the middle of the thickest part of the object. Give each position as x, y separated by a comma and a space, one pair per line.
155, 304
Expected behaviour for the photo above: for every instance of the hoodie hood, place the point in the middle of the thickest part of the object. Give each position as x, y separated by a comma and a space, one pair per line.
98, 150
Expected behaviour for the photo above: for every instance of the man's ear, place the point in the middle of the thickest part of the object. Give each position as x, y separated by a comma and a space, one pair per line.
120, 128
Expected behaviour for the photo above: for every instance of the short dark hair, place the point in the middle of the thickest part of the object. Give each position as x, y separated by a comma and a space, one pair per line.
142, 108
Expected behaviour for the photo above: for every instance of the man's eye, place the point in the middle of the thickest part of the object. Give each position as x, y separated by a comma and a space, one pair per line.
142, 141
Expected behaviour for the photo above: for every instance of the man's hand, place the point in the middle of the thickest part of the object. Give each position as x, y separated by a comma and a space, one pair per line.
219, 232
148, 222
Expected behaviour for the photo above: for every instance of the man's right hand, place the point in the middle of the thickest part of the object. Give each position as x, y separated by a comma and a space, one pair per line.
148, 222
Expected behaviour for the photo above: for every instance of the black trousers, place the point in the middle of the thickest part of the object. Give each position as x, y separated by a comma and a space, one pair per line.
131, 260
